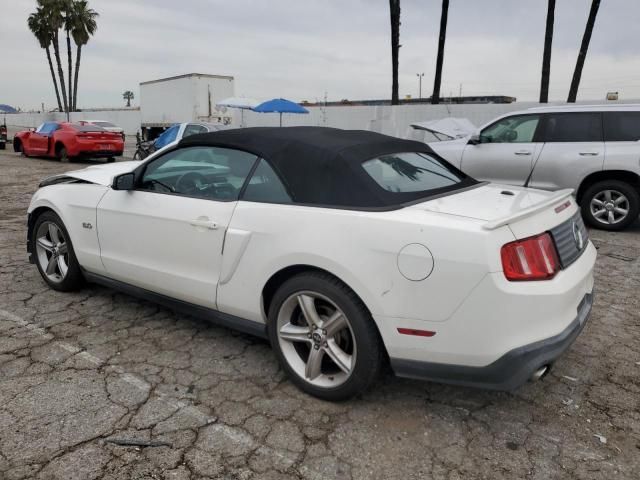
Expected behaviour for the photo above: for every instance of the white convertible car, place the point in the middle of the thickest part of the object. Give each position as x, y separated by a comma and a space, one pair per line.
346, 249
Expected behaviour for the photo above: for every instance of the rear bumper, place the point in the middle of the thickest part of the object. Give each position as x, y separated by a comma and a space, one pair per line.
100, 153
508, 372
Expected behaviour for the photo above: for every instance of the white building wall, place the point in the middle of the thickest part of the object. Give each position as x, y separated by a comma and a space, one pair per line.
384, 119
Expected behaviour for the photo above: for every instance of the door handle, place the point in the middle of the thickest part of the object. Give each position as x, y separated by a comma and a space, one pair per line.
523, 152
204, 224
590, 154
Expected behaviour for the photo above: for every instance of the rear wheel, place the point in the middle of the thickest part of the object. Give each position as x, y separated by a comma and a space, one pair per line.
62, 154
610, 205
55, 257
324, 336
111, 159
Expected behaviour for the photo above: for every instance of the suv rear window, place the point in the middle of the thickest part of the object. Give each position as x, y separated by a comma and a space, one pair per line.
410, 172
573, 127
621, 126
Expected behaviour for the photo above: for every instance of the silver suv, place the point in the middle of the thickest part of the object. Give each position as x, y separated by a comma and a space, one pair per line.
593, 149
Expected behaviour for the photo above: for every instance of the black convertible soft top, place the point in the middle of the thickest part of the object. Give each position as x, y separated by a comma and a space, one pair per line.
323, 166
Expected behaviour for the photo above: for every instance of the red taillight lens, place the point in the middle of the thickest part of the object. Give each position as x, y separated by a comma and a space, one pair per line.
532, 258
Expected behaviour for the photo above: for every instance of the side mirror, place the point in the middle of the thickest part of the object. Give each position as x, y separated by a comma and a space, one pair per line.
32, 129
125, 181
474, 139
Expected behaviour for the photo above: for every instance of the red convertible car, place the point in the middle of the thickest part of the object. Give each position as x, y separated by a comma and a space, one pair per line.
66, 141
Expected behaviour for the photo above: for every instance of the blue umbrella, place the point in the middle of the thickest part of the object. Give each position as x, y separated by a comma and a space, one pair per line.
279, 105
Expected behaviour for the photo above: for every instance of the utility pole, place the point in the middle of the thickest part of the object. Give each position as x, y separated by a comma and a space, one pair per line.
420, 75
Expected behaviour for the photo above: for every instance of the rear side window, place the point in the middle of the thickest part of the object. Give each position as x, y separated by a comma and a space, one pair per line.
265, 186
573, 127
621, 126
410, 172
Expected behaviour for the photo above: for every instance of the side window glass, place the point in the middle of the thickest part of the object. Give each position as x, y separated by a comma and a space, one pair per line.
621, 126
573, 127
193, 129
48, 128
265, 186
202, 172
518, 129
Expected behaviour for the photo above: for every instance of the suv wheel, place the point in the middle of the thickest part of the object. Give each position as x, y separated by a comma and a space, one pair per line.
324, 336
610, 205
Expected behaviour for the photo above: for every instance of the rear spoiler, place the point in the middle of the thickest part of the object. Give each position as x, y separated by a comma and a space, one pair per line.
526, 212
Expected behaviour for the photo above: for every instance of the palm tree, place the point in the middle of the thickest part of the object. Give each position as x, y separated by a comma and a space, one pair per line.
67, 10
54, 10
128, 96
435, 98
39, 25
83, 26
394, 14
586, 38
546, 55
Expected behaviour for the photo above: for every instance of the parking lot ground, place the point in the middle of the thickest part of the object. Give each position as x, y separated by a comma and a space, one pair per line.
83, 370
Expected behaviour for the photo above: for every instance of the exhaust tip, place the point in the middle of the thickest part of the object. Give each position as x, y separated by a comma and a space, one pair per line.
538, 374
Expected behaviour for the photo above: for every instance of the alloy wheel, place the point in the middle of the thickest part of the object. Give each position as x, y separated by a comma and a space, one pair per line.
316, 339
52, 251
609, 207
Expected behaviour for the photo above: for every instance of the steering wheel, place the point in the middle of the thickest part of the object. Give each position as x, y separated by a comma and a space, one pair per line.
190, 182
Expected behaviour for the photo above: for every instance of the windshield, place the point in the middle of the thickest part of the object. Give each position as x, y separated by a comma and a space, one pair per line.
410, 172
167, 137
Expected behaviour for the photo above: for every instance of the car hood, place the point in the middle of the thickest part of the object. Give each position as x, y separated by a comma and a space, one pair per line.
488, 202
99, 174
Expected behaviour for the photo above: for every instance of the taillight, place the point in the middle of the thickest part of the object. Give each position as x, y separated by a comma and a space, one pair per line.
533, 258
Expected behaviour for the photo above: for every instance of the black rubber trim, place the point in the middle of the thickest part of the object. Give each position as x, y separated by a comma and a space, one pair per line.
219, 318
30, 222
511, 370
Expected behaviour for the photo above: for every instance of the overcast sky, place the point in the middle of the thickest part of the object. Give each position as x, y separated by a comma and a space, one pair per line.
301, 49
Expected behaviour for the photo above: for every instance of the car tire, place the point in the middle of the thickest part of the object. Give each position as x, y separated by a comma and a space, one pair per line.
111, 159
3, 146
308, 355
62, 154
54, 254
19, 148
604, 205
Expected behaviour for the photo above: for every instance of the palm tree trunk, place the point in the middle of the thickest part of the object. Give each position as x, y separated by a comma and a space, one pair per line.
435, 98
394, 11
75, 80
63, 90
55, 81
70, 66
546, 55
586, 38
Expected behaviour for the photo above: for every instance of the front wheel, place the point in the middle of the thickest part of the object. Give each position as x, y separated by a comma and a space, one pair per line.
55, 257
610, 205
324, 336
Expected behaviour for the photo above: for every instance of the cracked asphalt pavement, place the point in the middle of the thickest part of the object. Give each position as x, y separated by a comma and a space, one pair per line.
81, 371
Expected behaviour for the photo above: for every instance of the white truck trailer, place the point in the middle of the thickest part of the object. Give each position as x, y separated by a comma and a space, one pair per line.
184, 98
